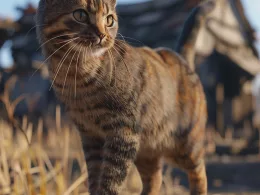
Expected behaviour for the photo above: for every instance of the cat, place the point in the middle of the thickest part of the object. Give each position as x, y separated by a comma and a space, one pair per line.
132, 105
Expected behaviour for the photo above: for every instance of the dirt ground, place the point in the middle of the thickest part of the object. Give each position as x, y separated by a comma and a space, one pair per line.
232, 176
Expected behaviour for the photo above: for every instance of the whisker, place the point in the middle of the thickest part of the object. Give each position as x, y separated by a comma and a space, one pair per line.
122, 60
98, 78
101, 83
124, 37
125, 42
64, 56
111, 66
62, 42
120, 47
85, 56
122, 42
65, 80
76, 73
33, 28
52, 55
54, 38
60, 64
89, 69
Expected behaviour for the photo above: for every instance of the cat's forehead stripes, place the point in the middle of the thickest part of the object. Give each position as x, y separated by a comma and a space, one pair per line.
95, 6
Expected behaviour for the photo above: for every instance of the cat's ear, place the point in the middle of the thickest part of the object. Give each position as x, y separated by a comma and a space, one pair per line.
113, 2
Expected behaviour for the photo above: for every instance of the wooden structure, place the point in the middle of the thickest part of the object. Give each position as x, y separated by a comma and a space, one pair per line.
154, 23
224, 65
159, 23
28, 82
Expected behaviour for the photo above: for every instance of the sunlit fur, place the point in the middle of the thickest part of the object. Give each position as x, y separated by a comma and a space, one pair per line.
58, 15
130, 104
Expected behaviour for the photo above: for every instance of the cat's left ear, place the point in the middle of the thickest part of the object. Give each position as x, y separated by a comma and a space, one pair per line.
113, 2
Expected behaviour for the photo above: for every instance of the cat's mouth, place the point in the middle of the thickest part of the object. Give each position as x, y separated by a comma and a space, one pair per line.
92, 46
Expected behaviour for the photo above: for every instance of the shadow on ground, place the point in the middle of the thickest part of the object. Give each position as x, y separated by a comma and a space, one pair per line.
236, 178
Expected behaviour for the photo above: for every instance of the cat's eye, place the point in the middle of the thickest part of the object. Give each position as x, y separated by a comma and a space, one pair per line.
110, 21
80, 15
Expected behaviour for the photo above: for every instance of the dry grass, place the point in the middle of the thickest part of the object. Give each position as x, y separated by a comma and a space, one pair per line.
34, 164
49, 165
46, 166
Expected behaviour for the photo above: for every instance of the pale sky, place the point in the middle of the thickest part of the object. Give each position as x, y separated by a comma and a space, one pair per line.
8, 6
7, 9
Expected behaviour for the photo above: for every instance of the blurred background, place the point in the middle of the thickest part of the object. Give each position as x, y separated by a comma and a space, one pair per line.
227, 61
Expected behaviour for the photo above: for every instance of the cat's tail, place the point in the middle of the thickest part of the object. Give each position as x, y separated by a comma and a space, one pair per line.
187, 40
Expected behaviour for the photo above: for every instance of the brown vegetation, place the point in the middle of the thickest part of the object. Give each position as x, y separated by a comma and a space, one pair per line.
32, 164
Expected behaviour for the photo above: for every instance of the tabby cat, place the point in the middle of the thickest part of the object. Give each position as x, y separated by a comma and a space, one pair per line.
131, 105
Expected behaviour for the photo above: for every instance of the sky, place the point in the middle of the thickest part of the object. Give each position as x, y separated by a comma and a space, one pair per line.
8, 6
7, 9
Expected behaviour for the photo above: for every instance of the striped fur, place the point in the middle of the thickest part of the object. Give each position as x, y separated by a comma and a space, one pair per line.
131, 105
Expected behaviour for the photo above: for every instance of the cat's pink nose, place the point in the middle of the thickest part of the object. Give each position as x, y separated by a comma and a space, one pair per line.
101, 36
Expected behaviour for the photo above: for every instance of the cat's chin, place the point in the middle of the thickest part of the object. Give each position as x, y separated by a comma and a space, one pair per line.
98, 52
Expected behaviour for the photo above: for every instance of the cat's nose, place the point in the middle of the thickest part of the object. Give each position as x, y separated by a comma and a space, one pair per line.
101, 36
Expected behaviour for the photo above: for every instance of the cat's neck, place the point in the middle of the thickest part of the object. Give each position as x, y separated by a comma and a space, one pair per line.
108, 73
107, 68
80, 67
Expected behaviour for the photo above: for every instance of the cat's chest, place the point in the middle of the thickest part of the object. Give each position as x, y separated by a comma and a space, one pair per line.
78, 92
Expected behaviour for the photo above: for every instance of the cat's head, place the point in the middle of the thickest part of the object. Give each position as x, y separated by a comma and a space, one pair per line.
88, 24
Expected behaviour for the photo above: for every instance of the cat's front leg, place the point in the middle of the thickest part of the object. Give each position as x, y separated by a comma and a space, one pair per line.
119, 153
93, 151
